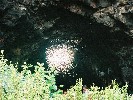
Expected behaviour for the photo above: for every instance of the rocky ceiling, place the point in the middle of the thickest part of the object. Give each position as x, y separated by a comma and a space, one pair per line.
26, 25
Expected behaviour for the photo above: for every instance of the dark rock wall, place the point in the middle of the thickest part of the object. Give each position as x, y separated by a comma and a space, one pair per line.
103, 29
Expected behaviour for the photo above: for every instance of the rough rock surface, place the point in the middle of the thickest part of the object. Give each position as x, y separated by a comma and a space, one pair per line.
103, 28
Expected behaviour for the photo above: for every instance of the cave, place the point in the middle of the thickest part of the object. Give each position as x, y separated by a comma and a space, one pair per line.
101, 51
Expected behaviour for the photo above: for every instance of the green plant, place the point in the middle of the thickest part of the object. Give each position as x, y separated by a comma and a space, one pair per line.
112, 92
40, 85
75, 92
24, 85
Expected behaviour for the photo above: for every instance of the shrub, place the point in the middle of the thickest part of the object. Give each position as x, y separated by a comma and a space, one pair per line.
24, 85
112, 92
40, 85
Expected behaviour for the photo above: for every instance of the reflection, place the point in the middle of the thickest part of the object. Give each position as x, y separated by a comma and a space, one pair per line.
60, 56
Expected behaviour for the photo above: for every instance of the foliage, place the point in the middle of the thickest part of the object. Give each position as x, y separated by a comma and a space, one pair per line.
40, 85
24, 85
112, 92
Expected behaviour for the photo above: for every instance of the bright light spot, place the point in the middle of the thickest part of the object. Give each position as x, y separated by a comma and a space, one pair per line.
60, 56
21, 7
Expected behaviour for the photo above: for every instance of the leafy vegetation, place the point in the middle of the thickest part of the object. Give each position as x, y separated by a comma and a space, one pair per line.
41, 85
